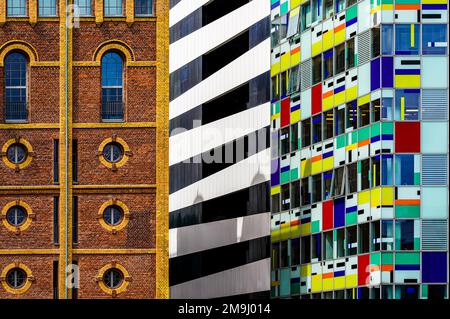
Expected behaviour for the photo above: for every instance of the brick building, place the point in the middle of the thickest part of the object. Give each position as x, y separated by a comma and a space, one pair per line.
83, 134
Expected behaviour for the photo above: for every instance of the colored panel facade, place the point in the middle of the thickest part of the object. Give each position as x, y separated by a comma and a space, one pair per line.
371, 195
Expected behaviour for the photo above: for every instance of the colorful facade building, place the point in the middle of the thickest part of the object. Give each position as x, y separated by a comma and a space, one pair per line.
359, 131
219, 149
84, 142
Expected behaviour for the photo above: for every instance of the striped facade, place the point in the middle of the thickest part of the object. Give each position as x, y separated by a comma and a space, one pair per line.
219, 158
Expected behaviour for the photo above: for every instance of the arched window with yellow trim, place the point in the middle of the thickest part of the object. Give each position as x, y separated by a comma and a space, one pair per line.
16, 95
112, 87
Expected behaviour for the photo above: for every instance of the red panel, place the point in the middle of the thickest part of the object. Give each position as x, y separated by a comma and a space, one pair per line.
407, 137
316, 98
327, 215
285, 112
363, 269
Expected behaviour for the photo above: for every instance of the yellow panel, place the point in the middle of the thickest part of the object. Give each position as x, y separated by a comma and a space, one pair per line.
339, 36
327, 284
305, 270
285, 61
316, 48
305, 229
364, 99
306, 168
328, 39
387, 196
295, 231
295, 58
351, 280
327, 103
328, 163
407, 81
275, 235
275, 190
364, 197
295, 116
317, 167
316, 283
375, 198
339, 282
339, 98
275, 68
351, 93
434, 1
295, 3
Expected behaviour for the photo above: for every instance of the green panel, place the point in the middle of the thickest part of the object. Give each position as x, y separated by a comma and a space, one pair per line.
407, 1
285, 177
387, 258
295, 288
284, 8
387, 1
294, 174
387, 128
425, 291
416, 178
351, 218
340, 141
407, 258
375, 258
364, 134
315, 226
416, 243
375, 130
285, 282
351, 13
407, 211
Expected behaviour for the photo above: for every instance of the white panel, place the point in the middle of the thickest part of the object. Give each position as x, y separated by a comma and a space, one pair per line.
217, 32
434, 72
183, 8
206, 137
241, 280
206, 236
231, 179
246, 67
363, 16
305, 101
305, 41
364, 79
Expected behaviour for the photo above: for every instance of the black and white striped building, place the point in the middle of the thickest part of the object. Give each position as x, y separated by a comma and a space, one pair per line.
219, 148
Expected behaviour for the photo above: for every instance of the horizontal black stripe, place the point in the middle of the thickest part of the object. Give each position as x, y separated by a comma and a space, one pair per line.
204, 263
245, 202
192, 73
194, 169
253, 93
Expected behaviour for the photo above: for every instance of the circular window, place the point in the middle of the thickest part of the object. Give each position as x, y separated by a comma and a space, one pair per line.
113, 152
113, 215
16, 153
16, 278
16, 216
113, 278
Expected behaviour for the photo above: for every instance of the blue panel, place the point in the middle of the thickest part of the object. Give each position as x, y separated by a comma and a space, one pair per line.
375, 74
388, 72
339, 212
434, 267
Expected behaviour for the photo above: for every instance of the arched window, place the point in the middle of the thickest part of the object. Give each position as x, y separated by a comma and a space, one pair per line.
16, 87
112, 87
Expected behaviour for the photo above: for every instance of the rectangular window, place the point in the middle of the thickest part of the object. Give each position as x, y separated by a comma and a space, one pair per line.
352, 178
55, 161
340, 242
295, 251
340, 5
295, 194
317, 188
317, 69
375, 236
56, 220
316, 247
306, 16
328, 124
316, 11
293, 22
376, 171
434, 39
375, 110
55, 279
338, 181
327, 182
352, 241
317, 128
364, 114
16, 8
275, 88
143, 7
365, 174
294, 79
328, 64
75, 161
387, 108
328, 8
387, 235
275, 203
84, 7
351, 2
407, 104
305, 251
340, 121
404, 235
47, 8
275, 144
387, 39
407, 39
352, 119
275, 255
284, 256
285, 197
294, 137
387, 170
363, 238
375, 42
328, 245
284, 141
75, 219
407, 169
283, 83
113, 8
306, 194
351, 53
340, 58
306, 132
275, 32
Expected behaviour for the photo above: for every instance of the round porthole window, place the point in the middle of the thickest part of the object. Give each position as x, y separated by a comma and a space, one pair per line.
16, 153
113, 215
16, 216
113, 278
16, 278
113, 152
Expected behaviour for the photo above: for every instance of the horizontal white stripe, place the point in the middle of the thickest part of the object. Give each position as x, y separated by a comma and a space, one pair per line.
213, 34
203, 138
191, 239
249, 278
184, 8
238, 176
249, 65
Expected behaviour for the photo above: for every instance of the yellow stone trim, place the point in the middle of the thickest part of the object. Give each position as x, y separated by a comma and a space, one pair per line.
28, 188
123, 222
29, 251
141, 64
28, 159
162, 147
27, 222
125, 155
113, 44
45, 64
145, 19
87, 251
2, 12
124, 284
27, 284
118, 186
99, 11
18, 45
129, 10
33, 11
114, 125
28, 126
85, 64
